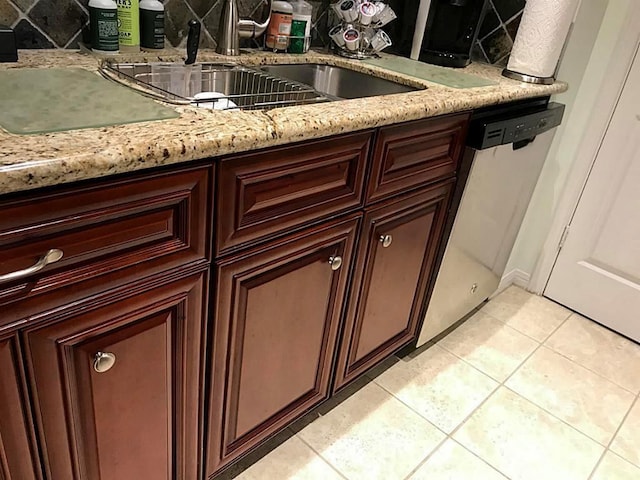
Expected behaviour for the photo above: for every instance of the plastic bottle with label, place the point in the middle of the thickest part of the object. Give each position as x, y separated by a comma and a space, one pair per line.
103, 21
300, 27
129, 25
151, 25
277, 37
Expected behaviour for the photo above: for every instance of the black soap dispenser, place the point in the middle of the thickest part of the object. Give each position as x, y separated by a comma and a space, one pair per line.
8, 46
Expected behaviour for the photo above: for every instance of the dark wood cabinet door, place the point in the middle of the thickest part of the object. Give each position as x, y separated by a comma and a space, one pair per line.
278, 311
396, 255
17, 458
117, 389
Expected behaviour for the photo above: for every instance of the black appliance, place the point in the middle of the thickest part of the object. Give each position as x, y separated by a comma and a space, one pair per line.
451, 30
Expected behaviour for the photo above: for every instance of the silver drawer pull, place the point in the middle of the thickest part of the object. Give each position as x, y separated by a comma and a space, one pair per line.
336, 262
386, 240
103, 361
52, 256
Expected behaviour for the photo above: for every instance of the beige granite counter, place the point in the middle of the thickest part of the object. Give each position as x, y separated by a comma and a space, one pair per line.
32, 161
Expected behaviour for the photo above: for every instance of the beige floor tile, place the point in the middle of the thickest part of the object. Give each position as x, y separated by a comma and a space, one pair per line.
454, 462
530, 314
372, 435
526, 443
439, 386
613, 467
489, 345
583, 399
627, 441
293, 460
600, 350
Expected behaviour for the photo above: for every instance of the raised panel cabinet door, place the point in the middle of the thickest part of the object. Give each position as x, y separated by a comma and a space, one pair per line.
278, 310
413, 154
266, 193
18, 460
397, 250
117, 389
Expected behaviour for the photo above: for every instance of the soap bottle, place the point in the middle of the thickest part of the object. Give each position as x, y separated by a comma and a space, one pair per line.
103, 21
151, 25
129, 25
300, 27
277, 38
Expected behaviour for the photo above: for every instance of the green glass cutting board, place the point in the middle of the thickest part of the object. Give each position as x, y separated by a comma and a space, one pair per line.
431, 73
34, 100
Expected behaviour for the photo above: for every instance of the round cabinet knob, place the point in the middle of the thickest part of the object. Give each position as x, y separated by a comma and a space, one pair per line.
103, 361
386, 240
336, 262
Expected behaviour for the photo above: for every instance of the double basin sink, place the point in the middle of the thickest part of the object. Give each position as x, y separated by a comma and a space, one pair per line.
221, 86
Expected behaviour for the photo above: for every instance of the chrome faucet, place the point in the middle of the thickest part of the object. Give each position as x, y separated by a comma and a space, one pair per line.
233, 28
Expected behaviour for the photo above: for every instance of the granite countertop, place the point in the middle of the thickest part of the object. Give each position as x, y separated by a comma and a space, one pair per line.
33, 161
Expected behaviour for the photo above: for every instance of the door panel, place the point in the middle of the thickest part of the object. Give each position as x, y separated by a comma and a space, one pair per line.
597, 272
140, 417
390, 282
277, 318
16, 459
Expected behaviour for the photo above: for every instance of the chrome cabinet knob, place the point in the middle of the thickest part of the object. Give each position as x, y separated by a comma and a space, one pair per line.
103, 361
386, 240
335, 261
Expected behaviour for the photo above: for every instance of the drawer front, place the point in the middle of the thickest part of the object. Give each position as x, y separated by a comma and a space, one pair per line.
415, 153
102, 229
267, 193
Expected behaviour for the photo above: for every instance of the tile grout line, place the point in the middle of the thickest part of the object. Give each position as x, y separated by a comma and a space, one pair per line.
500, 384
613, 437
544, 342
331, 465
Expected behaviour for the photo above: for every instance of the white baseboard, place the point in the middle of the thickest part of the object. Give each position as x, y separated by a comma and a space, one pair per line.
516, 277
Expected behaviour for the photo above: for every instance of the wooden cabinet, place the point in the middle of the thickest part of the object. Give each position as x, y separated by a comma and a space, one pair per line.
117, 388
396, 253
152, 224
18, 460
413, 154
269, 193
278, 310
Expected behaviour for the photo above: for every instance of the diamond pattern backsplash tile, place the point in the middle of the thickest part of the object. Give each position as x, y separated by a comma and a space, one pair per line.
65, 23
498, 31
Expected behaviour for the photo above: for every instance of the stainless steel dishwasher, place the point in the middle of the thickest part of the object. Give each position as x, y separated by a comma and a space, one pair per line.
506, 148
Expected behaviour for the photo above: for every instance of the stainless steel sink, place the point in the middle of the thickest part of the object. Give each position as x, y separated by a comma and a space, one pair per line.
338, 82
216, 86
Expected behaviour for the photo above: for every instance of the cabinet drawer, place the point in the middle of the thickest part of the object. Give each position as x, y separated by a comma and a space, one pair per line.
266, 193
412, 154
104, 228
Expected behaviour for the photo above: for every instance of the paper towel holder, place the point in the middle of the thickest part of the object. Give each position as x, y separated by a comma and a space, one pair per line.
523, 77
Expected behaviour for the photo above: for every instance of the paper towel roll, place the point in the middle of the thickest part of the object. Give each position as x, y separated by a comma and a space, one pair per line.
421, 23
541, 36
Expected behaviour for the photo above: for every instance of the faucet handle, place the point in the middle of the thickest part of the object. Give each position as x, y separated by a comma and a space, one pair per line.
193, 41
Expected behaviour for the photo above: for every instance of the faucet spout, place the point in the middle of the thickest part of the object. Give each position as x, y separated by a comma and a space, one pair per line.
232, 28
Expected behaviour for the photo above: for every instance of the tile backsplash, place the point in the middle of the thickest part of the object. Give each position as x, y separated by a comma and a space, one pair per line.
498, 30
64, 23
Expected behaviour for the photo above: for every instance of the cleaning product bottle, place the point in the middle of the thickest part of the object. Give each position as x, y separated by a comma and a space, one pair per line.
300, 27
129, 25
277, 38
151, 25
103, 21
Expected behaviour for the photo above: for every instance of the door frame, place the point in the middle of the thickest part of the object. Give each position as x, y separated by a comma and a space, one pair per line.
627, 48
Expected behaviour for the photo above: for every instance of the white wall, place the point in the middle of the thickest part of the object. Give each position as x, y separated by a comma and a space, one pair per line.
583, 66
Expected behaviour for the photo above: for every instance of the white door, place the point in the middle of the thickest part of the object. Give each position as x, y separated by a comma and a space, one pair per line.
597, 272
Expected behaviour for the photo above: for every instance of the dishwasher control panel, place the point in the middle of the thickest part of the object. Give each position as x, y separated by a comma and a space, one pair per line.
525, 125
